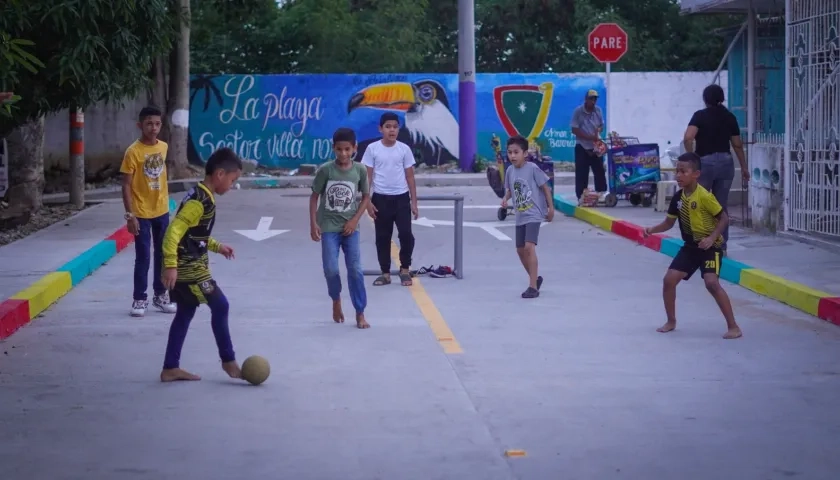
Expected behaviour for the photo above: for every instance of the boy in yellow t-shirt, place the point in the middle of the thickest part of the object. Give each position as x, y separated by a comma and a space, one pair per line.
145, 195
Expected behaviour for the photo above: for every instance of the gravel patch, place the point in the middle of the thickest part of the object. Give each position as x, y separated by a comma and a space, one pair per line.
47, 216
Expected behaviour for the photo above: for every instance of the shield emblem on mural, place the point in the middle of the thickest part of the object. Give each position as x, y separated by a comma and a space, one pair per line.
523, 109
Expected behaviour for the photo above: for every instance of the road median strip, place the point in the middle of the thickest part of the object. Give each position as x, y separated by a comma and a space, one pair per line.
820, 304
30, 302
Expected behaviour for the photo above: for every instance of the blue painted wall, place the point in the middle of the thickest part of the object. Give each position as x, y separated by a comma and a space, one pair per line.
283, 121
770, 64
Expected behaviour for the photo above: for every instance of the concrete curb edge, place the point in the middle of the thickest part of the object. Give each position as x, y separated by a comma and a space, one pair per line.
26, 305
814, 302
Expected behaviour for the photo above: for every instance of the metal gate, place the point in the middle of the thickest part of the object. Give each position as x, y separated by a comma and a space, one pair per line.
812, 160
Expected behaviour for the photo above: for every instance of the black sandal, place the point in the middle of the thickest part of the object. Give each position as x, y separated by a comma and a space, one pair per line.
405, 279
382, 280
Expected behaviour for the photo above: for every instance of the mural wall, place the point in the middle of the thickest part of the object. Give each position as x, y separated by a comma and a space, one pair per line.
283, 121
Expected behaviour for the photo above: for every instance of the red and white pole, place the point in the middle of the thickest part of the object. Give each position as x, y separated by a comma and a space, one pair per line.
77, 157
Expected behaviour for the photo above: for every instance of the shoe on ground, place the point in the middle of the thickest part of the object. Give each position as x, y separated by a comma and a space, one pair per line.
138, 308
531, 293
162, 303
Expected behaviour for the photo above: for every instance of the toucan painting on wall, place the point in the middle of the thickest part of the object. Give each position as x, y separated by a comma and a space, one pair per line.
429, 125
285, 121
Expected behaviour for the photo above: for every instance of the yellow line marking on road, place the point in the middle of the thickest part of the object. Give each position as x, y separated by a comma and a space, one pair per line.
429, 310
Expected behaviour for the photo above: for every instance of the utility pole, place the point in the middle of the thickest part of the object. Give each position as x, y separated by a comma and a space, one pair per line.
467, 129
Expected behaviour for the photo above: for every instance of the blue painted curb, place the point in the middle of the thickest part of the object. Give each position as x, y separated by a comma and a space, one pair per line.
671, 246
92, 258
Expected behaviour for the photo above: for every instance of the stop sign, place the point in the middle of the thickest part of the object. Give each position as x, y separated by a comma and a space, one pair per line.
607, 42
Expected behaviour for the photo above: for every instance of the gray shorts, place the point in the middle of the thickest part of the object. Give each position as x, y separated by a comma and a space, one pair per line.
529, 232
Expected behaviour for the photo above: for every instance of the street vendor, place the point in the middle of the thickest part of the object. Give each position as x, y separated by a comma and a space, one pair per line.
587, 125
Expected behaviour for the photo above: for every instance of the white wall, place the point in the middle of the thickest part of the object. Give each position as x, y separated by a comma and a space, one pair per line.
109, 130
656, 106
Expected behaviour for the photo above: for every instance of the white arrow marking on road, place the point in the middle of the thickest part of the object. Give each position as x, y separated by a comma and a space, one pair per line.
263, 230
492, 231
489, 227
425, 222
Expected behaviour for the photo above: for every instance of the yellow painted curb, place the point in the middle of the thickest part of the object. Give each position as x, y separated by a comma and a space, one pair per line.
45, 292
595, 217
794, 294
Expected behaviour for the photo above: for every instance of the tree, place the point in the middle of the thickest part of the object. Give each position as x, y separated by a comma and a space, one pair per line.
243, 36
178, 104
92, 51
379, 36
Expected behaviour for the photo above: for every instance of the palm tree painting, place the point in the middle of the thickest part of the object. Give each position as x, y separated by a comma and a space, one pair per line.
203, 83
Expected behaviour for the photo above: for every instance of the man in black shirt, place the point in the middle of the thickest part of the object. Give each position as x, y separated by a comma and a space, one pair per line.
715, 129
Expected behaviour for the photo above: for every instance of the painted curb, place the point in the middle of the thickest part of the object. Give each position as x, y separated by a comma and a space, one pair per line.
26, 305
820, 304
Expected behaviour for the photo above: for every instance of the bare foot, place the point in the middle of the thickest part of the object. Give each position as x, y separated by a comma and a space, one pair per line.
176, 374
361, 322
732, 333
338, 314
669, 326
232, 369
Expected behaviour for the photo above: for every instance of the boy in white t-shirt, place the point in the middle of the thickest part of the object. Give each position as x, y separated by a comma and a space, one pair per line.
390, 167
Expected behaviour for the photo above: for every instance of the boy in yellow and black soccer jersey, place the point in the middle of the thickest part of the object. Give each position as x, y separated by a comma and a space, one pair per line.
187, 266
702, 221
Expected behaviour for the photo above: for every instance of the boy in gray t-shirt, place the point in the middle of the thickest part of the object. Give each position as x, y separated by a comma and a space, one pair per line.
532, 202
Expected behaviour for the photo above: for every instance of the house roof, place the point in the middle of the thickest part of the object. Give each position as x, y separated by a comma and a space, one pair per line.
688, 7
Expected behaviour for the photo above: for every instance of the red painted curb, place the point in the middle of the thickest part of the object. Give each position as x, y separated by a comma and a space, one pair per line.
635, 233
829, 310
13, 315
122, 238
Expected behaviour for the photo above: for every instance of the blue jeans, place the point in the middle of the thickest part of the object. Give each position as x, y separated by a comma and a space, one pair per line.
151, 233
331, 243
717, 171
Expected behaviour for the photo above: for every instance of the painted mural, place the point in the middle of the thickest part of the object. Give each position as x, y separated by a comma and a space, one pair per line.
284, 121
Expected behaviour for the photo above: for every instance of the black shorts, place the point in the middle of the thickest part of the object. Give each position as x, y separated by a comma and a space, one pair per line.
194, 294
690, 259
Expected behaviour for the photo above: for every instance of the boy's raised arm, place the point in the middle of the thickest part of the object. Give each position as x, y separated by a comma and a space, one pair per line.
670, 217
188, 216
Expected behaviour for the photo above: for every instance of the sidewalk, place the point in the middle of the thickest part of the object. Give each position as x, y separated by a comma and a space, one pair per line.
43, 267
795, 273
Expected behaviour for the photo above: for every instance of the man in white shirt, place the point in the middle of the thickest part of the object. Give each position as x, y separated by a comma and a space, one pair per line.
390, 167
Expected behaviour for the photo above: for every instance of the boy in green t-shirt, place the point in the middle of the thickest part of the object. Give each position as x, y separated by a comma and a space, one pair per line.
334, 221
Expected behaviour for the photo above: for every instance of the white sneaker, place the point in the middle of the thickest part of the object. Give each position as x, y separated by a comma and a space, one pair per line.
162, 303
138, 308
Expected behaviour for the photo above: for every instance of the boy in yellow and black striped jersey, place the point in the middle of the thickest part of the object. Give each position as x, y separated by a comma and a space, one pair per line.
187, 266
702, 221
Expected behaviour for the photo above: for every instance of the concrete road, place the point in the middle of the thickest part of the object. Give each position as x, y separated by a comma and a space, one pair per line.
577, 380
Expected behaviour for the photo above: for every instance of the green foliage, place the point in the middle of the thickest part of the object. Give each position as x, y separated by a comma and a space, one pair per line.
91, 50
310, 36
386, 36
236, 36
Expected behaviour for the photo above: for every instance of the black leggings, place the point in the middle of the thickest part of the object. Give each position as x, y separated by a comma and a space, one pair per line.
583, 162
390, 210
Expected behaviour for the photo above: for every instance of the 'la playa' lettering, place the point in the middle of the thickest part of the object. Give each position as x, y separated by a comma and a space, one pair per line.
292, 108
